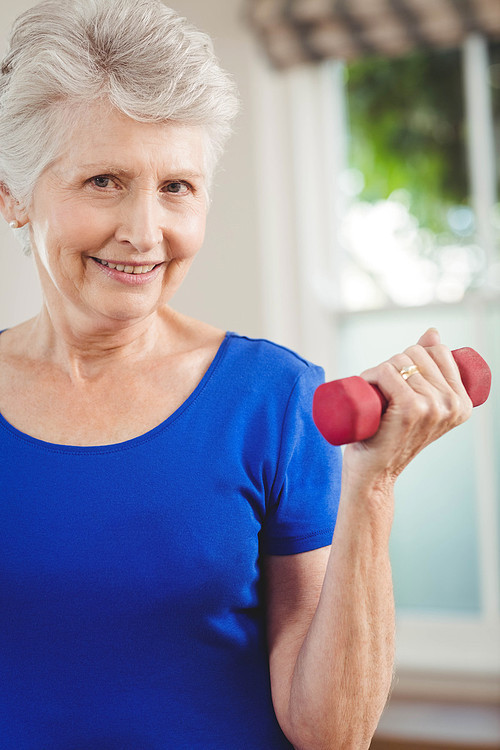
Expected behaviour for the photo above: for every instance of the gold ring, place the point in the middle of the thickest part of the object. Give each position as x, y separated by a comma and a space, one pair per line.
407, 372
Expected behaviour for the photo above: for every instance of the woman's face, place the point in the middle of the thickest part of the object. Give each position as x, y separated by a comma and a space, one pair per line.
118, 218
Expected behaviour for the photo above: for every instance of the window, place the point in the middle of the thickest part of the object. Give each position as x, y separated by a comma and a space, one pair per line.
408, 234
379, 217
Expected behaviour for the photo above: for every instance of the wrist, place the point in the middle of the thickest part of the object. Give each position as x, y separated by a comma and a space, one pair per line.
369, 494
366, 476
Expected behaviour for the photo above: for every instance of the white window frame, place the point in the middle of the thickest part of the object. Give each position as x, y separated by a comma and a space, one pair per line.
301, 149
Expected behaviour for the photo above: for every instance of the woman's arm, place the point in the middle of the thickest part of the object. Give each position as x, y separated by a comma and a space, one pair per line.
331, 612
331, 633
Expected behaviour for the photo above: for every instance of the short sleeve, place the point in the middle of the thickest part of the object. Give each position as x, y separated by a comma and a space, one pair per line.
303, 503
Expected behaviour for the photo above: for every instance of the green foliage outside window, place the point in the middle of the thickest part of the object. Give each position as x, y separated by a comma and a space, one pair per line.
406, 119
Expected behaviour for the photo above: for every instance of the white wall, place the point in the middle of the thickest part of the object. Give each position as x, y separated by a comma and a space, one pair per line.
223, 286
19, 292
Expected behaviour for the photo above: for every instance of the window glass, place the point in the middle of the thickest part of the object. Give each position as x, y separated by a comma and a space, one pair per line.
410, 240
434, 548
408, 236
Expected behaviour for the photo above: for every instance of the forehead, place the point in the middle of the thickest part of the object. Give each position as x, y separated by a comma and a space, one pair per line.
100, 134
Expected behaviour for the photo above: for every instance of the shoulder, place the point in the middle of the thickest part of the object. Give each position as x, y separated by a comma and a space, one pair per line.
261, 385
13, 341
269, 360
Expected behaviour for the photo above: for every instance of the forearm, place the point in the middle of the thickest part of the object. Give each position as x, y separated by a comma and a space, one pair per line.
344, 669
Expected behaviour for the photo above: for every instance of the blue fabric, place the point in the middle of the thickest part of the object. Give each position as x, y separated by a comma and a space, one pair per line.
131, 615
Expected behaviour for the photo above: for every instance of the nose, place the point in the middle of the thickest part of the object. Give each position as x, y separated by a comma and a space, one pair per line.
140, 222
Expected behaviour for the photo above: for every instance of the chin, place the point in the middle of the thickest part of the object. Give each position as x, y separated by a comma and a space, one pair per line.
128, 313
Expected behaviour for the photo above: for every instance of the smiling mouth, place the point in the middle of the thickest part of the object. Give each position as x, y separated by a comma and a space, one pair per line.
136, 270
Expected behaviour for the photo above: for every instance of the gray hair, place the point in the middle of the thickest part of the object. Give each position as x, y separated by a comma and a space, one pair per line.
146, 60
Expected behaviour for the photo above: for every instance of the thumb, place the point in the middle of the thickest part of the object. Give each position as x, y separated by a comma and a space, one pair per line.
430, 338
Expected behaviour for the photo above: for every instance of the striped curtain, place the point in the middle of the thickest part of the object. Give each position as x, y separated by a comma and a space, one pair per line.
298, 31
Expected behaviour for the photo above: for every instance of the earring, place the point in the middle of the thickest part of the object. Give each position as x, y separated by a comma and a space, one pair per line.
14, 224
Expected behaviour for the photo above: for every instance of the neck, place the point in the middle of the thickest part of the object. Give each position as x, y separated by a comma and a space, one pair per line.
85, 350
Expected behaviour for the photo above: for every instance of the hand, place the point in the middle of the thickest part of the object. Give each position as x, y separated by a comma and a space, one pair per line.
421, 409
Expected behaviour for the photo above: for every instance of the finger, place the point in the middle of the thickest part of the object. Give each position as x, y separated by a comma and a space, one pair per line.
430, 341
443, 383
410, 372
428, 366
388, 378
430, 338
437, 365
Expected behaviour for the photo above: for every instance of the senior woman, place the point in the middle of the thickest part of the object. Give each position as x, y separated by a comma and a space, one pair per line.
167, 505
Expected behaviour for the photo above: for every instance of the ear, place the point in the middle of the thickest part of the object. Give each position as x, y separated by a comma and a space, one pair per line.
10, 208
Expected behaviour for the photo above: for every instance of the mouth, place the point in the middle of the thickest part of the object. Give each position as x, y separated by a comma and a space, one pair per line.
132, 269
131, 274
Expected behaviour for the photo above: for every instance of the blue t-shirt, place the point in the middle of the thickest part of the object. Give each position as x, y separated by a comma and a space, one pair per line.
131, 597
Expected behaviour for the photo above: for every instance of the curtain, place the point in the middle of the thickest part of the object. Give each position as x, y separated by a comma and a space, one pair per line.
298, 31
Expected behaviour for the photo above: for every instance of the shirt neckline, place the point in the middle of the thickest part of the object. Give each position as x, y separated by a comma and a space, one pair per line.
132, 442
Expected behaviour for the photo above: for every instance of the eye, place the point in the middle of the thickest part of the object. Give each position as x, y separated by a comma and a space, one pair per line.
177, 188
101, 181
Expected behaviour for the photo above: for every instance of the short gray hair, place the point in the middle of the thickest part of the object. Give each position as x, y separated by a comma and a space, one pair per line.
148, 61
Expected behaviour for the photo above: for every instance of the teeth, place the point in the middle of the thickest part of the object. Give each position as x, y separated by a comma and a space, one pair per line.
127, 269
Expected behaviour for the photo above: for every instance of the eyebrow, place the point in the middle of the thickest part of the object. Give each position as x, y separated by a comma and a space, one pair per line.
100, 168
103, 169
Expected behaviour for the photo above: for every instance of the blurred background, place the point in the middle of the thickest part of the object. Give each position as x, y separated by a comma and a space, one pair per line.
356, 206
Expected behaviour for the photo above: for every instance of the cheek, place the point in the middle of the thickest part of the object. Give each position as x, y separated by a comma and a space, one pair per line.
62, 254
68, 234
83, 228
191, 234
